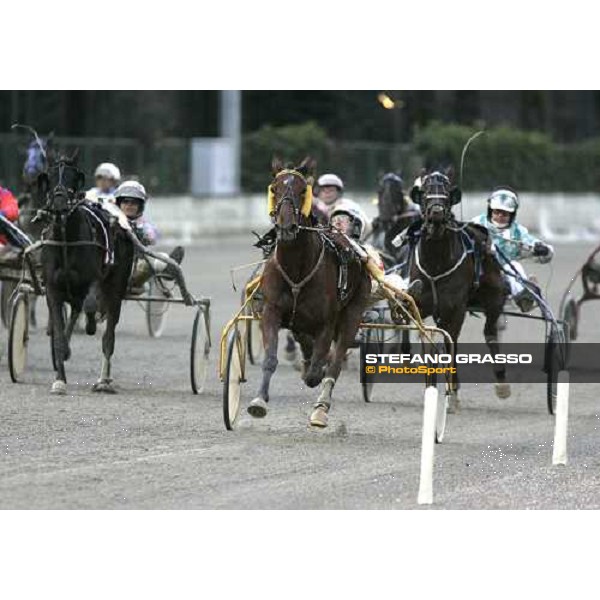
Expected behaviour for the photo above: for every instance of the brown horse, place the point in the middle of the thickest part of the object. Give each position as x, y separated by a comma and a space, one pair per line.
300, 287
456, 265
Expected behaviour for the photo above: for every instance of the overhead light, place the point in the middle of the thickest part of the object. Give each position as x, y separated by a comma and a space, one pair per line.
388, 102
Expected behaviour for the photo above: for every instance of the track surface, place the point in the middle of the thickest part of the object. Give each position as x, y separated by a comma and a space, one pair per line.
155, 445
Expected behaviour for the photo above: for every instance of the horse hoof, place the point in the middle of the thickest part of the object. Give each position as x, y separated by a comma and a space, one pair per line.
453, 404
104, 386
257, 408
503, 390
90, 324
319, 418
59, 388
313, 379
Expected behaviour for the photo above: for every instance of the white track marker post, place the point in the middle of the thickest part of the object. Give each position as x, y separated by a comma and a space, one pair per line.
428, 445
561, 421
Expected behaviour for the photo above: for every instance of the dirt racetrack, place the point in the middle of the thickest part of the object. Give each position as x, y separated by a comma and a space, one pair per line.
155, 445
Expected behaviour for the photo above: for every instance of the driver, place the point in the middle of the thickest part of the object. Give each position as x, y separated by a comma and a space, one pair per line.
513, 242
9, 213
330, 189
131, 198
351, 221
108, 177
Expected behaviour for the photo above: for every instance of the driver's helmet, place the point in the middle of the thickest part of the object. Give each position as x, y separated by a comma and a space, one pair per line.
132, 190
331, 179
503, 199
108, 170
348, 220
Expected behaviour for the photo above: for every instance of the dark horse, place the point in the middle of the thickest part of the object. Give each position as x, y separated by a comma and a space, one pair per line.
300, 287
396, 213
456, 265
83, 258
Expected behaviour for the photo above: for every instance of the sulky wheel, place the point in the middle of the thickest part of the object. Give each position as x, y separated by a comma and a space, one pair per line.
440, 417
232, 384
18, 337
200, 349
371, 336
555, 360
571, 317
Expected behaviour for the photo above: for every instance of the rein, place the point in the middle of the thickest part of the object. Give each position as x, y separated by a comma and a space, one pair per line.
296, 288
433, 279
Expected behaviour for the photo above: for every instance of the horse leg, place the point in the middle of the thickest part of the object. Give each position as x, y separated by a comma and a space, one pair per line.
491, 334
90, 307
58, 343
320, 356
32, 313
290, 348
105, 382
350, 320
271, 322
306, 346
453, 325
75, 312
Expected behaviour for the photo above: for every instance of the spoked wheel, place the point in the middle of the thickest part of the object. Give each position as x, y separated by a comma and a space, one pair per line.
444, 393
200, 349
443, 399
156, 312
372, 336
232, 385
440, 417
571, 317
254, 340
18, 337
554, 361
7, 289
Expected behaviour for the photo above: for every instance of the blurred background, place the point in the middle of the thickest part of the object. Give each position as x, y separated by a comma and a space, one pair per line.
537, 140
207, 145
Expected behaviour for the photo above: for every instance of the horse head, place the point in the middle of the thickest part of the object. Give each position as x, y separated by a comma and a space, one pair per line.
390, 197
436, 195
62, 185
290, 197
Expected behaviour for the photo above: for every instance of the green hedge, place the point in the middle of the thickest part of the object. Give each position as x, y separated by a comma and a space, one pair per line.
291, 143
359, 164
526, 160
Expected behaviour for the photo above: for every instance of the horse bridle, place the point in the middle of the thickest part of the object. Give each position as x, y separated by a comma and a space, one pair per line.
60, 218
441, 197
288, 196
295, 287
438, 196
62, 191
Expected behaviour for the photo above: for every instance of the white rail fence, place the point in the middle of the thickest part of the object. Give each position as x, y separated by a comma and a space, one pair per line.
556, 217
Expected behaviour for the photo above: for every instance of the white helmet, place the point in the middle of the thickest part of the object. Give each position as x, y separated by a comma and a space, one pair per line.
358, 222
109, 171
504, 199
331, 179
